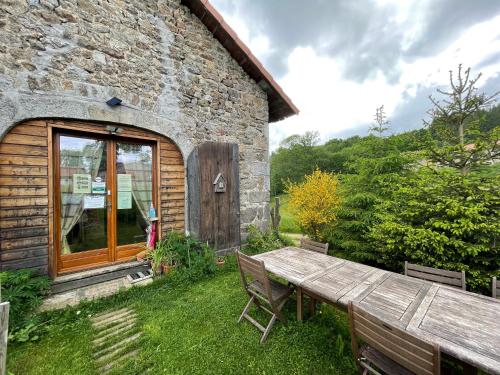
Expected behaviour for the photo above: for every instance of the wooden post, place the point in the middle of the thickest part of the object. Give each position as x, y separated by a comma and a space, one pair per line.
4, 333
275, 215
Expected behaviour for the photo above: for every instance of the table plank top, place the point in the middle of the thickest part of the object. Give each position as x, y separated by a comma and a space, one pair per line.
465, 325
395, 298
295, 264
344, 279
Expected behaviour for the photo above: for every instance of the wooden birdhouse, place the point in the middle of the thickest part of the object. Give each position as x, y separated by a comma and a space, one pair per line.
220, 184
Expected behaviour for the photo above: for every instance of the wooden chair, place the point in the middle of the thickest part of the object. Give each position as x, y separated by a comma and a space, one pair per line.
451, 278
495, 288
314, 246
319, 248
261, 290
388, 349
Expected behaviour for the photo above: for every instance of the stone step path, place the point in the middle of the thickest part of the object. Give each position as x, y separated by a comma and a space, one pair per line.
116, 339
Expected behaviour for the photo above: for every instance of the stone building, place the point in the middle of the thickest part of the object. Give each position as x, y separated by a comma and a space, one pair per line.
82, 175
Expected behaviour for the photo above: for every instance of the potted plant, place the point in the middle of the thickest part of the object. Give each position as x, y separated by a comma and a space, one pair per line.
157, 256
169, 262
220, 261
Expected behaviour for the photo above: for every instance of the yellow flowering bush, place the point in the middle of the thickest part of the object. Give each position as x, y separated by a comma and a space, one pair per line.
314, 201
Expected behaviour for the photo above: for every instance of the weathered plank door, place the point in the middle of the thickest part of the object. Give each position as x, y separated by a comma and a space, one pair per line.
214, 197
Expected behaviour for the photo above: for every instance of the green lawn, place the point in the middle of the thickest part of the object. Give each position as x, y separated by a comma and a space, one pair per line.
191, 328
288, 223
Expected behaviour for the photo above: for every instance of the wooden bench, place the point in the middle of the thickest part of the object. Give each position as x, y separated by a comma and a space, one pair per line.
451, 278
388, 349
495, 288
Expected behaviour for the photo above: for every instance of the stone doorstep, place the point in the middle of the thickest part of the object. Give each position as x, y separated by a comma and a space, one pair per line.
100, 275
97, 271
90, 292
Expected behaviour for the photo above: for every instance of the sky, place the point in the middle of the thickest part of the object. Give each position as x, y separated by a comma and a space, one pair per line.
338, 60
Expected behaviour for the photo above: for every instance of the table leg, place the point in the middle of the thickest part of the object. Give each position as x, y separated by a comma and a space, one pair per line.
312, 306
298, 291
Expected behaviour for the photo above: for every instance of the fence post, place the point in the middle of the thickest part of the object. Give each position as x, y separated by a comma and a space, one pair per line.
275, 215
4, 333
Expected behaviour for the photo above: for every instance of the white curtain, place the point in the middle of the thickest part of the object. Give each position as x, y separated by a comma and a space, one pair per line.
142, 179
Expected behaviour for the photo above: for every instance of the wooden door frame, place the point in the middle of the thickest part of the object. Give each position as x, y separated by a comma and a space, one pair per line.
54, 132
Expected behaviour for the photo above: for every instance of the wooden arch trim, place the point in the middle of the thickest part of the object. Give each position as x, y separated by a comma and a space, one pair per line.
26, 189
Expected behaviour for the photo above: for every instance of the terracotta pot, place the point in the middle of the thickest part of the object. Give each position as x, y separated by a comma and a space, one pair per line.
220, 263
166, 268
157, 269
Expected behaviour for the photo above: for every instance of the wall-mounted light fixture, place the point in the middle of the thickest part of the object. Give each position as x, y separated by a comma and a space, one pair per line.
114, 101
113, 129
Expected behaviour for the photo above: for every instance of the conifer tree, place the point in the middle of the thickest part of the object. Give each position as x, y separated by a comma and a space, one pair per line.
381, 123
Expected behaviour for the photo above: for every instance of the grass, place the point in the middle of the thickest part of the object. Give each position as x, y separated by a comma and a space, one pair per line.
190, 328
288, 222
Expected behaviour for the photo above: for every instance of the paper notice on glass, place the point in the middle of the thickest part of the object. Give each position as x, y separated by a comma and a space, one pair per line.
81, 183
98, 187
124, 182
124, 200
93, 202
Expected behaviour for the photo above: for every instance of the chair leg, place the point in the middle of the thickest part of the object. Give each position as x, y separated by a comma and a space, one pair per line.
247, 307
279, 314
268, 328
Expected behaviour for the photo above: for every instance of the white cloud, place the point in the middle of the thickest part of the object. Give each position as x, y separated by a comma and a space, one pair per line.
332, 105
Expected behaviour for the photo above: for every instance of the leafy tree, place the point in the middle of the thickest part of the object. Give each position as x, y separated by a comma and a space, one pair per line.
314, 202
297, 156
454, 138
491, 119
309, 139
441, 219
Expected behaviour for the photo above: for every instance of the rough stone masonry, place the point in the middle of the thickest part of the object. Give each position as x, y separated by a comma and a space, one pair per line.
65, 58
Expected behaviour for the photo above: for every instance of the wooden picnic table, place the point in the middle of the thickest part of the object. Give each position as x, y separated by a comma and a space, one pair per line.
465, 325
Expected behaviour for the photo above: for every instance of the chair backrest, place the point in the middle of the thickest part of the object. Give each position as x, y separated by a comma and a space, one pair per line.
451, 278
406, 350
314, 246
253, 269
495, 288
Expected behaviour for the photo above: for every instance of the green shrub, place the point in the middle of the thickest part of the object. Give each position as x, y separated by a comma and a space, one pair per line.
361, 192
193, 258
260, 242
445, 220
25, 293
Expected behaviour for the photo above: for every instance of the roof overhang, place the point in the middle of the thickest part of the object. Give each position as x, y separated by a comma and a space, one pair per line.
280, 105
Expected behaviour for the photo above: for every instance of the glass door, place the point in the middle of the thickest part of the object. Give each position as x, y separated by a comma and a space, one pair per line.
104, 192
82, 216
134, 196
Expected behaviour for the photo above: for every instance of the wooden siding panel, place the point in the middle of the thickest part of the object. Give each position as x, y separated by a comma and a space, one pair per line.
24, 197
172, 191
9, 149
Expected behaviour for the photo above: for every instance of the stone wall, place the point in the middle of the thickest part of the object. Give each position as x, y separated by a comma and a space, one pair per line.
65, 58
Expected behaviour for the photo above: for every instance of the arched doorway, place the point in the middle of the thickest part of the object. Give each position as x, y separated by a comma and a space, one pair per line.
77, 195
